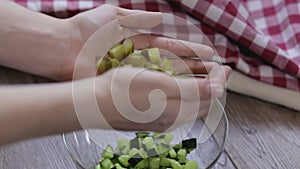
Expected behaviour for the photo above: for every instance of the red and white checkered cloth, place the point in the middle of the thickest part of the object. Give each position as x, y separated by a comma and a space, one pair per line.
260, 38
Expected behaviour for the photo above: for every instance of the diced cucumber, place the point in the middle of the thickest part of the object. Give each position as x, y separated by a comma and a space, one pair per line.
114, 62
141, 134
142, 164
167, 139
181, 154
128, 46
118, 166
148, 152
189, 143
133, 152
134, 161
98, 166
149, 143
108, 152
106, 164
154, 163
116, 52
152, 55
172, 153
123, 160
164, 162
135, 143
191, 165
175, 164
177, 146
123, 143
103, 65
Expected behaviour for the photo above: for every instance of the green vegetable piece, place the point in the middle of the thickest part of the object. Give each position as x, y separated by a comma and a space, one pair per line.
133, 152
164, 162
167, 139
163, 150
135, 60
108, 152
189, 143
172, 153
177, 146
114, 62
123, 143
143, 153
117, 52
151, 66
175, 164
142, 164
103, 65
125, 150
152, 55
106, 164
154, 163
189, 150
191, 165
128, 47
134, 161
181, 154
123, 160
135, 143
118, 166
149, 143
182, 161
98, 166
141, 134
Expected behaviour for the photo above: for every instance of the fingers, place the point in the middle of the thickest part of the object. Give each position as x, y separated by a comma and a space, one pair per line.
136, 19
178, 47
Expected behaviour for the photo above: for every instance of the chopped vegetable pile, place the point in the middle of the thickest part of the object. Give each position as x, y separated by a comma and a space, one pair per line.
125, 55
147, 151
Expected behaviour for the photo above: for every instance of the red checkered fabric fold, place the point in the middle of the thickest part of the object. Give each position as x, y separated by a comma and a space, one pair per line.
258, 38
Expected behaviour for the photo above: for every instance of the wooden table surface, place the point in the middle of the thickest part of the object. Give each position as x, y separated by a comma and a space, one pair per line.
261, 136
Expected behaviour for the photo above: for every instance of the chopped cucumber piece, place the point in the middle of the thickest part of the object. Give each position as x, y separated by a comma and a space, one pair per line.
123, 143
149, 143
191, 165
189, 143
175, 164
123, 160
172, 153
116, 52
98, 166
165, 162
108, 152
152, 55
141, 134
128, 47
103, 65
181, 154
154, 163
106, 164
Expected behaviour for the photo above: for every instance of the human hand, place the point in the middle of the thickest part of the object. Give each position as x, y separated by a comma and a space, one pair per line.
185, 99
85, 24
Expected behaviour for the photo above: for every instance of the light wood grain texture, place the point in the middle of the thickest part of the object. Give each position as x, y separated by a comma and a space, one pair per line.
262, 135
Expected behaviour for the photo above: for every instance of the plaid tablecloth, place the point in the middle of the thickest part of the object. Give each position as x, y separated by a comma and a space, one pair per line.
260, 38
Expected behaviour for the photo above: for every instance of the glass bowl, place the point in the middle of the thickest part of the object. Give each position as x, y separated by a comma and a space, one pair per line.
86, 153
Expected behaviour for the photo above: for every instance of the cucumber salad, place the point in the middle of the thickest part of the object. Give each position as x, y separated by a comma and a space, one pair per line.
147, 151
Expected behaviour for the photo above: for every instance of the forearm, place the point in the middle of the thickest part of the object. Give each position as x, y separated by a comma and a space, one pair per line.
36, 110
31, 41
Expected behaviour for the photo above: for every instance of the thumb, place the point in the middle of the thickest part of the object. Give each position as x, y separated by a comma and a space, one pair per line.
140, 19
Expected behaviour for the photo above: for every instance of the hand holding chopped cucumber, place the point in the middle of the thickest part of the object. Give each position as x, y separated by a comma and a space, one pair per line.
147, 151
123, 54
